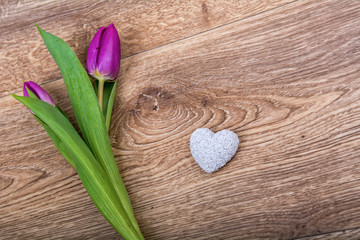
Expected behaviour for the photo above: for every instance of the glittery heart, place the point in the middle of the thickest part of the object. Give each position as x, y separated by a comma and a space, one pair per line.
212, 151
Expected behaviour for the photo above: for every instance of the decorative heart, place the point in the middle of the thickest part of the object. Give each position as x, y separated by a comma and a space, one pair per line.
212, 151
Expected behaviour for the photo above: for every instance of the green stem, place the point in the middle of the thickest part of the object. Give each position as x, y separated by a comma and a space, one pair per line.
101, 92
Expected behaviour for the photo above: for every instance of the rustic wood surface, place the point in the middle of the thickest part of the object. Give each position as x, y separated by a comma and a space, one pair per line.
350, 234
283, 75
142, 25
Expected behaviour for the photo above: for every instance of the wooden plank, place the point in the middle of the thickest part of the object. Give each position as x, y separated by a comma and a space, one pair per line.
142, 25
351, 234
286, 81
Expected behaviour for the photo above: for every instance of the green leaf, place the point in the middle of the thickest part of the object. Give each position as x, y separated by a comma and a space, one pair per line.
63, 113
67, 154
56, 140
88, 114
90, 171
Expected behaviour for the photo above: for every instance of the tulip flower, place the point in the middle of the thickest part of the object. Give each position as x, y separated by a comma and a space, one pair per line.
38, 91
103, 59
92, 155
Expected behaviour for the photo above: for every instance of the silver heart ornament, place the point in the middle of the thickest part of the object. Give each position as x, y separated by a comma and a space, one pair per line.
213, 150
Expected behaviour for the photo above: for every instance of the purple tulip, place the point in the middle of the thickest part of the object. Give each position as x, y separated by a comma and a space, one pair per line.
103, 59
38, 91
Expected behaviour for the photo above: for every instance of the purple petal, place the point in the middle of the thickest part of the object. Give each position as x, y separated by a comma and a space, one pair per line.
110, 53
38, 91
93, 51
26, 85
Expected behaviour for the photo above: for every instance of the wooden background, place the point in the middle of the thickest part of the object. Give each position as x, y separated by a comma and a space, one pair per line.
284, 75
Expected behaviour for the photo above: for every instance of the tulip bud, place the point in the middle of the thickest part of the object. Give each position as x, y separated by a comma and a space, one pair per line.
38, 91
103, 59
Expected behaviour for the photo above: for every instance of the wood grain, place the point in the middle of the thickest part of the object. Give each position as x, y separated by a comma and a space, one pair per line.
142, 25
287, 81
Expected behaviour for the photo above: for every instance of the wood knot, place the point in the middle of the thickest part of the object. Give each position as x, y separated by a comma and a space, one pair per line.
153, 99
204, 101
204, 8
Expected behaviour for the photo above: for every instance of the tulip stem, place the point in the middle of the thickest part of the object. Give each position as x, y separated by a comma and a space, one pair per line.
100, 92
